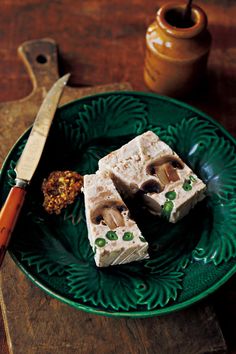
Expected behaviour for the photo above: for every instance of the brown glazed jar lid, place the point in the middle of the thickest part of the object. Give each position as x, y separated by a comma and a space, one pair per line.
170, 19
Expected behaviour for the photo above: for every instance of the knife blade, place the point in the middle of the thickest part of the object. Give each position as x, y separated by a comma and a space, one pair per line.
28, 162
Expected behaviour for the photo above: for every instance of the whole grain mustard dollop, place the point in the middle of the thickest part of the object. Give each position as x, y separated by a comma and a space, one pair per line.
60, 189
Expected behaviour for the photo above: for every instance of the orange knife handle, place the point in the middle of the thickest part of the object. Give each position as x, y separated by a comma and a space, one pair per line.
8, 217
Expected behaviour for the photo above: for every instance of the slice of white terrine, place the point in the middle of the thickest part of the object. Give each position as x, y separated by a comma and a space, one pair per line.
114, 237
147, 165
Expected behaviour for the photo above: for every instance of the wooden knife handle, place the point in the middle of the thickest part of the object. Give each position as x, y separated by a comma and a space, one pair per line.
8, 217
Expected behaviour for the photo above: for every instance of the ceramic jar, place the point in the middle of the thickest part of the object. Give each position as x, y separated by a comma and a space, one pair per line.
176, 50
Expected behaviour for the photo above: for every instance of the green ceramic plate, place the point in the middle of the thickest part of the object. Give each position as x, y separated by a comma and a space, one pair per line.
189, 260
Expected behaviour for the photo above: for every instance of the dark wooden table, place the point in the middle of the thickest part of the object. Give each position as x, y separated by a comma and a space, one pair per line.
102, 41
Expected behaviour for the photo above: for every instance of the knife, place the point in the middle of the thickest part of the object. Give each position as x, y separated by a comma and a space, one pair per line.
28, 163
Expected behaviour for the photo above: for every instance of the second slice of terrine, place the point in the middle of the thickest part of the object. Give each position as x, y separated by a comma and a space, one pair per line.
147, 166
114, 237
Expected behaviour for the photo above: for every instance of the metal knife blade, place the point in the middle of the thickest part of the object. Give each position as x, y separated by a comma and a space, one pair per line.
28, 163
33, 149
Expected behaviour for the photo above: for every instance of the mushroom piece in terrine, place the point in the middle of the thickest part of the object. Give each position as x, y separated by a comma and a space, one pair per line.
114, 237
150, 168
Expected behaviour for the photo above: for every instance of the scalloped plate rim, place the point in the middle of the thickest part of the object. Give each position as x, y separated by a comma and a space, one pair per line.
135, 314
139, 94
138, 314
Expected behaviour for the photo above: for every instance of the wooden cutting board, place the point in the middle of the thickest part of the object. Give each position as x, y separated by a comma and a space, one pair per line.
34, 322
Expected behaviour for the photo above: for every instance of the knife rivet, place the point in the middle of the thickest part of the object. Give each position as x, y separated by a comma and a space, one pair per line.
21, 183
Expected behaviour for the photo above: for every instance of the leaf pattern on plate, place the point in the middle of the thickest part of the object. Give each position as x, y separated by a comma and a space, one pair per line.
218, 240
75, 211
53, 251
68, 132
217, 166
190, 137
107, 287
170, 245
58, 245
11, 171
43, 260
11, 174
162, 133
88, 161
159, 288
107, 117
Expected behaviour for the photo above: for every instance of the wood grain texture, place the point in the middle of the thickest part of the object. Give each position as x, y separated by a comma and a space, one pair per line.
101, 42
